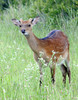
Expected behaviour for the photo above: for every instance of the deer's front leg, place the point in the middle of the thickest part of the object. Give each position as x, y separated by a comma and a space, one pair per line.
41, 75
40, 66
52, 70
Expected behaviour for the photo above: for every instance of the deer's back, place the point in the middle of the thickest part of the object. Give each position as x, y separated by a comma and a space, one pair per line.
56, 41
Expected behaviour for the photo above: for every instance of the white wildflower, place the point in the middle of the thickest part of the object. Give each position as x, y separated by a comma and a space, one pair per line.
14, 42
45, 64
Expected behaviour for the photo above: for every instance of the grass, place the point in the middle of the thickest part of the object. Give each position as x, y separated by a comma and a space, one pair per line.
19, 73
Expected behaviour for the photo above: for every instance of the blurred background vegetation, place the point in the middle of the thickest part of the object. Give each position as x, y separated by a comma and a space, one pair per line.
50, 7
54, 9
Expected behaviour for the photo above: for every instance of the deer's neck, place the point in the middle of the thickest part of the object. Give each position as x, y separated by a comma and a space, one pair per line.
33, 42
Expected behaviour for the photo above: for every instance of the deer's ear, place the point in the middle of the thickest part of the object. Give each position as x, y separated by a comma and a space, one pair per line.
35, 20
16, 22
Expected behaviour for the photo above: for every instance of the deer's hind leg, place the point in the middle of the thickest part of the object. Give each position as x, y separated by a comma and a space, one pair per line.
64, 72
68, 70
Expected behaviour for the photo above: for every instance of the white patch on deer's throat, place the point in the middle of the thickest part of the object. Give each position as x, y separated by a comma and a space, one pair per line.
26, 34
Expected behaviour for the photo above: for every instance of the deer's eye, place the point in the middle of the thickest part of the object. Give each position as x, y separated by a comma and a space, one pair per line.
20, 25
29, 25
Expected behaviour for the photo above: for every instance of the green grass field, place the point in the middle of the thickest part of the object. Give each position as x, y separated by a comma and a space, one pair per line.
19, 73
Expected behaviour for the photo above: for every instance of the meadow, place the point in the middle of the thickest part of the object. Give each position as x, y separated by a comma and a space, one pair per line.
19, 73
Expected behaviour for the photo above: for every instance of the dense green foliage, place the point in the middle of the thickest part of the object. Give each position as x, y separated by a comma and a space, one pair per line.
50, 7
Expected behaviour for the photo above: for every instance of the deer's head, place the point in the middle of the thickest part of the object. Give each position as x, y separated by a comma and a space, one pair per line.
26, 26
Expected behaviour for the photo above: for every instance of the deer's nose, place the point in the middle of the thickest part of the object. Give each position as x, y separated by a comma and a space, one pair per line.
23, 31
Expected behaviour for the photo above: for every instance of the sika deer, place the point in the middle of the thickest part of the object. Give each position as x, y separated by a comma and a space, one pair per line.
56, 41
